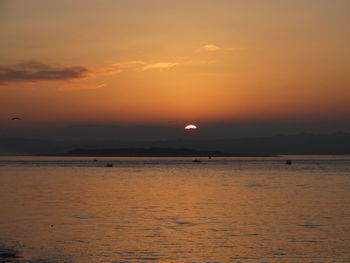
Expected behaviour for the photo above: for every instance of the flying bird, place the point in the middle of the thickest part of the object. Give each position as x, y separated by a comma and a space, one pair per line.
16, 118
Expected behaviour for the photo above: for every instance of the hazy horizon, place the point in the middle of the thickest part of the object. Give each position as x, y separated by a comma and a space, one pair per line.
170, 132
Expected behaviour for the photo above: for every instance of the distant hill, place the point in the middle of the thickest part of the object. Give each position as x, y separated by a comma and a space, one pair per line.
303, 143
151, 152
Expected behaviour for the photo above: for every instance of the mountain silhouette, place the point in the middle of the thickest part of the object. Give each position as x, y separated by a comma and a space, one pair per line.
303, 143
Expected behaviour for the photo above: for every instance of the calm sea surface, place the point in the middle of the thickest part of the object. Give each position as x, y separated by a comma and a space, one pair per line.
173, 210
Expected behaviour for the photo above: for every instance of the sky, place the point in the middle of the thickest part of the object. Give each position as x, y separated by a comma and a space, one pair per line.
170, 63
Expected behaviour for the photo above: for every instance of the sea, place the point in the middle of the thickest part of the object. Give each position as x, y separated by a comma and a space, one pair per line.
254, 210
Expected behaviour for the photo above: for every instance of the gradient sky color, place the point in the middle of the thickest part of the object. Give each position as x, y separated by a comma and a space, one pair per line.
174, 62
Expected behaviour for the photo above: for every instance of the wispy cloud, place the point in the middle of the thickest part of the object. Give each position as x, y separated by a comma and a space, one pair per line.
159, 65
213, 48
129, 64
72, 87
136, 62
107, 71
141, 65
35, 71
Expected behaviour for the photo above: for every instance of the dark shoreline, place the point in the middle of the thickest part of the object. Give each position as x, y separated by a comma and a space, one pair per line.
151, 156
150, 152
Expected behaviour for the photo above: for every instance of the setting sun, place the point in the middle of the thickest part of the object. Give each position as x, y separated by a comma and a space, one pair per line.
191, 127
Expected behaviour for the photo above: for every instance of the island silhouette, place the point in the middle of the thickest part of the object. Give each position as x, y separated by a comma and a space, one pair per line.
151, 152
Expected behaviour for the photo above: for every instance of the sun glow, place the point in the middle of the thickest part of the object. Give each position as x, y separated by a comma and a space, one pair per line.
191, 127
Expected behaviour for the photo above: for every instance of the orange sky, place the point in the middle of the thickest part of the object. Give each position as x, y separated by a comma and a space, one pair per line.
161, 62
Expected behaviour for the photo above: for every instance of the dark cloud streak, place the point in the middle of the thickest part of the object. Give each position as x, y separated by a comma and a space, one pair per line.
34, 71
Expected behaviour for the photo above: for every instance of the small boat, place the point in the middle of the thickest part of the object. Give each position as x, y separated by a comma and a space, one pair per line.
289, 162
196, 161
109, 165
